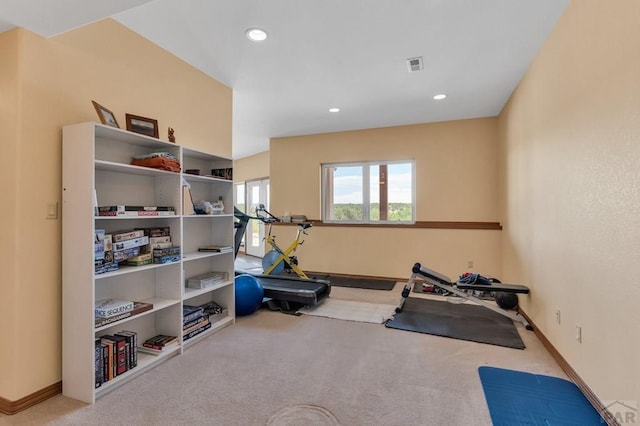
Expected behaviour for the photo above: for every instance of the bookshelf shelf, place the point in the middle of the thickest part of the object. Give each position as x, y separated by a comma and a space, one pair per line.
145, 362
190, 293
132, 270
96, 160
197, 255
111, 166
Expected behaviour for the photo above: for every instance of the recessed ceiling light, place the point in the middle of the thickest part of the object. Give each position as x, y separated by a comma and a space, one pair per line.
439, 97
256, 34
334, 109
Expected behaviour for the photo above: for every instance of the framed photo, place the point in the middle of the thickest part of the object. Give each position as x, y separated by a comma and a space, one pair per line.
142, 125
106, 116
222, 173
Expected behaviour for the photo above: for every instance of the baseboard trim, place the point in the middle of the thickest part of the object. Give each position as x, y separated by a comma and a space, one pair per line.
13, 407
573, 376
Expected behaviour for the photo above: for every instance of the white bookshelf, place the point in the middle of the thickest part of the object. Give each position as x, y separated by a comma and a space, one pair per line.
98, 157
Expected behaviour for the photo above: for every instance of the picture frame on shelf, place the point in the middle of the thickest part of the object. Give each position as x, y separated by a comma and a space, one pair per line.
225, 173
106, 116
143, 125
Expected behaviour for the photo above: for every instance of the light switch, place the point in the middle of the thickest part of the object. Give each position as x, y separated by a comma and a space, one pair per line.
52, 210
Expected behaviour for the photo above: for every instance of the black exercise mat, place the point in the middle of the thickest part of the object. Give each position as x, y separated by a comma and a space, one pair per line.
459, 321
367, 283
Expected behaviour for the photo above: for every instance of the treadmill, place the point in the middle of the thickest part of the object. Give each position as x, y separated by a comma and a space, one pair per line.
281, 292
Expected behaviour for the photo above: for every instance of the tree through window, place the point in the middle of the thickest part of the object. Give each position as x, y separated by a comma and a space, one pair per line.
369, 192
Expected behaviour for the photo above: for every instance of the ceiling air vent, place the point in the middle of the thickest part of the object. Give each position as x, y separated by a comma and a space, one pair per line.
414, 64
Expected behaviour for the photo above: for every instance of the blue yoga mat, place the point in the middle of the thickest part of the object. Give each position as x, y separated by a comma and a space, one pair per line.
519, 398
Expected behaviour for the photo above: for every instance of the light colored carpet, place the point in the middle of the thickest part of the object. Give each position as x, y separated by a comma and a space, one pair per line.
266, 366
350, 310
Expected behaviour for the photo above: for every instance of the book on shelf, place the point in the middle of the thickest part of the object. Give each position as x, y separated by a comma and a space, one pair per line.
162, 239
124, 255
109, 307
194, 322
138, 213
211, 308
132, 243
160, 342
214, 312
160, 231
109, 355
154, 246
167, 259
138, 308
216, 249
142, 259
201, 323
127, 235
187, 201
206, 280
106, 267
190, 313
120, 210
121, 354
197, 331
98, 245
132, 344
152, 351
173, 250
99, 379
115, 355
103, 253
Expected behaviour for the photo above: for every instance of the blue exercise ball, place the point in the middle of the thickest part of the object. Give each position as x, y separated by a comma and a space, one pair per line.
269, 259
249, 294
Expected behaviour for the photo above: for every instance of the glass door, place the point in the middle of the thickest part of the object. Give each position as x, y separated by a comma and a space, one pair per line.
239, 200
257, 193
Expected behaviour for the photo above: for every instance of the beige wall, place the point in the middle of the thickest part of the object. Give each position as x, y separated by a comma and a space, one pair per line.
250, 168
9, 114
570, 157
456, 180
59, 77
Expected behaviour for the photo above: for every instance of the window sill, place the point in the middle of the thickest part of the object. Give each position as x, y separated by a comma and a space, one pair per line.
494, 226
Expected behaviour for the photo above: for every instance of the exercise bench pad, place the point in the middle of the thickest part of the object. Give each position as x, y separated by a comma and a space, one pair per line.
440, 280
507, 288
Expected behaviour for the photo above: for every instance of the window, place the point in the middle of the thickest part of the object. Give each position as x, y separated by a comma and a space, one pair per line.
369, 192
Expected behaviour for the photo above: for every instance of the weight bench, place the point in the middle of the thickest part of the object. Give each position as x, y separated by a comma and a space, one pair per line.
459, 289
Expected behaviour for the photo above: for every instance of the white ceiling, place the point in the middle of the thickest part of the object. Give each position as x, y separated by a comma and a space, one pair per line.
319, 54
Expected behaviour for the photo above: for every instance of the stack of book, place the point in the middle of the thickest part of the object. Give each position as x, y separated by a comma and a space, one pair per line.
120, 247
115, 355
136, 211
214, 311
109, 311
194, 321
167, 255
207, 280
106, 308
129, 244
103, 252
216, 249
158, 344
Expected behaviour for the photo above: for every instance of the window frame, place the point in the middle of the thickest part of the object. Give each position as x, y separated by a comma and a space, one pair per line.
366, 192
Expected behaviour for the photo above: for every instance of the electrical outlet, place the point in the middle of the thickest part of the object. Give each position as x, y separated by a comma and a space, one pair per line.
558, 316
470, 264
579, 333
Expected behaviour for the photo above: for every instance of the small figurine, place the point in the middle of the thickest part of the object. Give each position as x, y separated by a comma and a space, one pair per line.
172, 138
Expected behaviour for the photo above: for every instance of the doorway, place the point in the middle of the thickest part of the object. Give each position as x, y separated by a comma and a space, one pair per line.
257, 192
